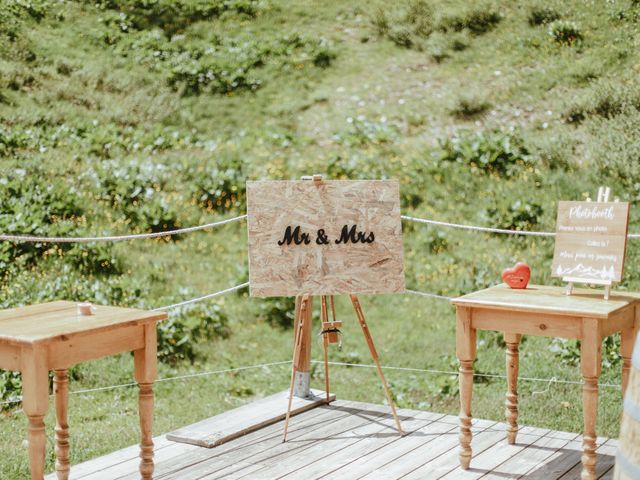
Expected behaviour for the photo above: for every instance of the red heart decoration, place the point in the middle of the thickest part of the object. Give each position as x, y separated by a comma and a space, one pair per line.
518, 276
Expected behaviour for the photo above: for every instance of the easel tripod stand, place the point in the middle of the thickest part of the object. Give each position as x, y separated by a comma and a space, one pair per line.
329, 335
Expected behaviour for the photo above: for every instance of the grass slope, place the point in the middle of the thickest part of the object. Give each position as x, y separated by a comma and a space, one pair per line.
116, 118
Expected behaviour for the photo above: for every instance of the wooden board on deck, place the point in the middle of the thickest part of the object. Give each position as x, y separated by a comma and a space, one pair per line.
326, 238
234, 423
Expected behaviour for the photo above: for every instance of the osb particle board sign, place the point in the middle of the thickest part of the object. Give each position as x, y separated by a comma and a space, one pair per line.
324, 238
591, 239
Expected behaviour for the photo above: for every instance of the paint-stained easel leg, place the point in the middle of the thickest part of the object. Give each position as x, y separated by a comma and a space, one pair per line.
301, 309
325, 341
511, 403
374, 354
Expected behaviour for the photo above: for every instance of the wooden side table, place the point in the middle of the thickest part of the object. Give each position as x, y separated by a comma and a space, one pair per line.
545, 311
52, 336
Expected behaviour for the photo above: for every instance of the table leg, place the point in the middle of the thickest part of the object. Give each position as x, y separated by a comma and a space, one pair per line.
466, 352
61, 390
513, 362
627, 340
590, 365
35, 401
145, 374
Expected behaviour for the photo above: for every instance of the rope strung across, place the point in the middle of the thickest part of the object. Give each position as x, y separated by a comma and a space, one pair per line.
340, 364
117, 238
179, 231
167, 379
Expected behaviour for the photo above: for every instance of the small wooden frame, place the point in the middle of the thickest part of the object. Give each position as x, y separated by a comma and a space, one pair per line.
591, 240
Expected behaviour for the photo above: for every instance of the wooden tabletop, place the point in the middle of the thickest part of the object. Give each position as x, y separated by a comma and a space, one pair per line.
44, 322
582, 302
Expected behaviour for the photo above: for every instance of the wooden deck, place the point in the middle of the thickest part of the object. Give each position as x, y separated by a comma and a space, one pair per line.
354, 440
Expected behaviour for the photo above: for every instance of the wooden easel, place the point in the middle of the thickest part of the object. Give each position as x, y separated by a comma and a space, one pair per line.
603, 196
329, 333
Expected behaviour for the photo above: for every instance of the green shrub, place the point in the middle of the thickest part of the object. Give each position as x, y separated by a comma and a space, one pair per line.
221, 187
407, 25
478, 20
31, 204
365, 132
542, 15
174, 16
495, 152
136, 190
178, 336
470, 106
565, 32
606, 99
519, 215
568, 351
616, 152
10, 389
277, 311
224, 65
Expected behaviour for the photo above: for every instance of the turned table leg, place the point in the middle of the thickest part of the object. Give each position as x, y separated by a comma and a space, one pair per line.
466, 352
627, 340
61, 390
145, 374
590, 365
35, 401
511, 403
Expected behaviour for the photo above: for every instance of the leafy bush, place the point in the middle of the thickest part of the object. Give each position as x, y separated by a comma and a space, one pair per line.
406, 26
617, 151
470, 106
606, 99
478, 20
136, 189
221, 187
277, 311
568, 351
10, 388
542, 15
495, 152
224, 65
364, 132
174, 16
12, 141
565, 32
29, 207
518, 215
177, 336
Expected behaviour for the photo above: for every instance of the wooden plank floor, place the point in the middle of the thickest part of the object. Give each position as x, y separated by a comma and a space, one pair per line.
354, 440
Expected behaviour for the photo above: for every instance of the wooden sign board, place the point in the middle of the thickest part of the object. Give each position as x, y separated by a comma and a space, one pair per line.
324, 238
591, 239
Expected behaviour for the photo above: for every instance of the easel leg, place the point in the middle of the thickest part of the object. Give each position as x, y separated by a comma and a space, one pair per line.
299, 322
374, 354
325, 341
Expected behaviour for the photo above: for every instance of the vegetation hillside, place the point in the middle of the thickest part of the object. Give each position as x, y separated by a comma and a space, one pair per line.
121, 116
